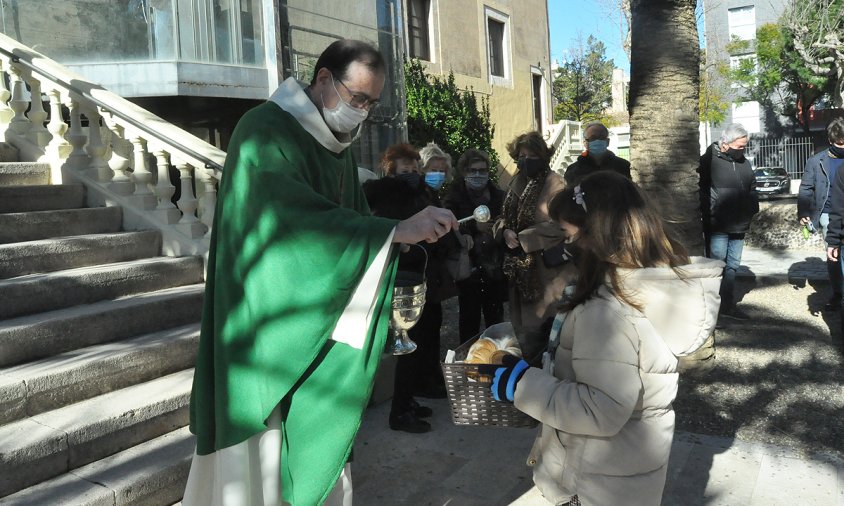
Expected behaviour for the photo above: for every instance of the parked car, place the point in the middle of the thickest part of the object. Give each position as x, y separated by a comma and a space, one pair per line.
772, 181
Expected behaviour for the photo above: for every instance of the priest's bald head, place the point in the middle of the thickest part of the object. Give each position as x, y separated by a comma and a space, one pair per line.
347, 82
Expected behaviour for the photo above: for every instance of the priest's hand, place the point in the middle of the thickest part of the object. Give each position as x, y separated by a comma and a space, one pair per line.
428, 225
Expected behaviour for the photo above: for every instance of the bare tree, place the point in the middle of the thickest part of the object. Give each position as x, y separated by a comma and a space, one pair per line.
619, 10
818, 30
664, 99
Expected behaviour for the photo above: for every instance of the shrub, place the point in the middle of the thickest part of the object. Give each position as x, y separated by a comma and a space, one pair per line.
438, 111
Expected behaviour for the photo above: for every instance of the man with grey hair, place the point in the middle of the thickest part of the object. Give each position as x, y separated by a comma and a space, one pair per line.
728, 201
595, 156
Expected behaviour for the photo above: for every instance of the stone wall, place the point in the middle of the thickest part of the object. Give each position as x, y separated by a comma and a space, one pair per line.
776, 227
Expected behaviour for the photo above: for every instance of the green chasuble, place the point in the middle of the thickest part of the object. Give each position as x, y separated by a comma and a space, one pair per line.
292, 238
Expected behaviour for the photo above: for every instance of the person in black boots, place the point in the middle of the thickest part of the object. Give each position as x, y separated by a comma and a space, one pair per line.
813, 198
403, 192
485, 290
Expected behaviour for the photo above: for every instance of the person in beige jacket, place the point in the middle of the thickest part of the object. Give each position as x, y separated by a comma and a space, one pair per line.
604, 396
526, 231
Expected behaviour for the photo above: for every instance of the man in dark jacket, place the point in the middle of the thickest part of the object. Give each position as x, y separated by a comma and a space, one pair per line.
813, 200
835, 230
596, 156
728, 201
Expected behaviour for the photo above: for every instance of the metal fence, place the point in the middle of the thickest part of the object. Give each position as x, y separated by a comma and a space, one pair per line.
790, 153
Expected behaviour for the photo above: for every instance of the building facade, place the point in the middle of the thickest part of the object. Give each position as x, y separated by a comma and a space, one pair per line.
726, 20
497, 48
201, 64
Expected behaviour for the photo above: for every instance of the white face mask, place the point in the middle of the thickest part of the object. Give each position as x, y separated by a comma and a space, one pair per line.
342, 118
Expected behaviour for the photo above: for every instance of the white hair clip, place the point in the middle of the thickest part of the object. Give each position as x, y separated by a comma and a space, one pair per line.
580, 197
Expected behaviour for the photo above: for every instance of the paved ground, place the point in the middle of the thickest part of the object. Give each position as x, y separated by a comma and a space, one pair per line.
458, 465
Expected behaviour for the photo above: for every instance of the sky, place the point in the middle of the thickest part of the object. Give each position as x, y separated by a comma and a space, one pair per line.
570, 18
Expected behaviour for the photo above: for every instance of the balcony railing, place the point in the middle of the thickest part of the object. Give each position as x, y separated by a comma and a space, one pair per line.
121, 153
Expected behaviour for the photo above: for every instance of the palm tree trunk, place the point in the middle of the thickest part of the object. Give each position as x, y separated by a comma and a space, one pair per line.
664, 101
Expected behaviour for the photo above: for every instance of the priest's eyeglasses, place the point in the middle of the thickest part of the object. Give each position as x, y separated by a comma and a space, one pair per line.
358, 100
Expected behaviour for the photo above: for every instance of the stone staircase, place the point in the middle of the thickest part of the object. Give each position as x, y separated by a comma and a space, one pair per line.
98, 337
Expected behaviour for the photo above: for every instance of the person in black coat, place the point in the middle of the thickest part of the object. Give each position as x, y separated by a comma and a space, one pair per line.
595, 157
403, 193
485, 290
835, 230
814, 202
728, 201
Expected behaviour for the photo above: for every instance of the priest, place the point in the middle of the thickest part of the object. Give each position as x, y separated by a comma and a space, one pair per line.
298, 293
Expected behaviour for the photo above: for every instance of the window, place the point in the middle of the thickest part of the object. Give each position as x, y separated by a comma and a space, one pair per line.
537, 101
746, 63
742, 22
498, 47
747, 113
417, 29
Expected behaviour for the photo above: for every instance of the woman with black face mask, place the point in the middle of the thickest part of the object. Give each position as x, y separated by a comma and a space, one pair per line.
401, 193
526, 231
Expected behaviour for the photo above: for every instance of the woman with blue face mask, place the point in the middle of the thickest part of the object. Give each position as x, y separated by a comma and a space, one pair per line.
436, 165
484, 292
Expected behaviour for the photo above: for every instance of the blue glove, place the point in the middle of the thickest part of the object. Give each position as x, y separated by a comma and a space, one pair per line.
505, 378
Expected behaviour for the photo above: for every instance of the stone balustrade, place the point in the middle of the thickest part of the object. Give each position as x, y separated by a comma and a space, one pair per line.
565, 140
121, 153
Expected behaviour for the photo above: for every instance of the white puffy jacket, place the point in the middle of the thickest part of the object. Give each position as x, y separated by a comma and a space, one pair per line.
606, 411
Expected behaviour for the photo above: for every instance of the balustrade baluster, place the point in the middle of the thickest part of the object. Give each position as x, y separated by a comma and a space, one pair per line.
58, 149
6, 113
142, 176
187, 202
164, 190
209, 198
189, 224
99, 169
78, 158
38, 133
119, 162
19, 103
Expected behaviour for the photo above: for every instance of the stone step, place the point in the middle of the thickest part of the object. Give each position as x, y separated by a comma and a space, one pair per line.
154, 472
31, 226
24, 173
52, 443
40, 335
36, 293
48, 255
66, 378
45, 197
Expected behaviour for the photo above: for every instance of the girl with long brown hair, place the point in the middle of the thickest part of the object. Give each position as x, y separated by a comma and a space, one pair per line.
610, 374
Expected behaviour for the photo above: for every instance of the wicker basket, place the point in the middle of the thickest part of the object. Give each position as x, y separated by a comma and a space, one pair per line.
471, 400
